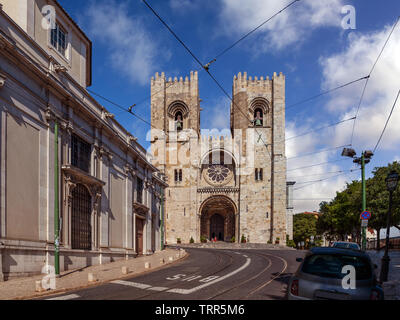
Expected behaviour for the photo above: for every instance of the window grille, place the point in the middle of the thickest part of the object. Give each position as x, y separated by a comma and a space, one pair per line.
81, 229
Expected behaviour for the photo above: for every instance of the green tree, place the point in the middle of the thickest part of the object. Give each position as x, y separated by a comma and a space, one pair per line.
341, 216
378, 199
304, 226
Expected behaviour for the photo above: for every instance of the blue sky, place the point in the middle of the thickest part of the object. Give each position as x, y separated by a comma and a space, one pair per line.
306, 42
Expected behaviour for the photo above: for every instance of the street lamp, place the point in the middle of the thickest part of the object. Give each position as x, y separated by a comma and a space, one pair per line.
391, 184
362, 161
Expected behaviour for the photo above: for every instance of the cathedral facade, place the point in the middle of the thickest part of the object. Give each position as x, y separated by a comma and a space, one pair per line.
227, 187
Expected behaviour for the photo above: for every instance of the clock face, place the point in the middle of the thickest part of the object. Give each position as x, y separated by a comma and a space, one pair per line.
260, 138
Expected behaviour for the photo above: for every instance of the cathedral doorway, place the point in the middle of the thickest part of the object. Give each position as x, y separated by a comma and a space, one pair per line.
218, 218
217, 224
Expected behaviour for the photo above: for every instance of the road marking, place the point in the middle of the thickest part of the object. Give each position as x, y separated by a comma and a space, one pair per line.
189, 291
69, 297
278, 275
158, 289
131, 284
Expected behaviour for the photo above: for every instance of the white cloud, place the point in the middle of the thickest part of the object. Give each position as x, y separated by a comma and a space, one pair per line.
354, 61
183, 5
217, 115
291, 26
131, 47
308, 144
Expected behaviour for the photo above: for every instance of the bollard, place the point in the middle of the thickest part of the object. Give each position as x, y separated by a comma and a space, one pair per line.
147, 265
125, 270
38, 286
92, 277
162, 261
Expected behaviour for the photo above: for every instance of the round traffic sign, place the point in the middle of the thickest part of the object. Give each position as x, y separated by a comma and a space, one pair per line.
366, 215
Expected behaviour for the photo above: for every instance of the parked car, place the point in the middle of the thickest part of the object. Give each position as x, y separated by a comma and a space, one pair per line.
346, 245
319, 276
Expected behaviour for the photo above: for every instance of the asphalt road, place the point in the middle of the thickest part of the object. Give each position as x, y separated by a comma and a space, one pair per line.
207, 274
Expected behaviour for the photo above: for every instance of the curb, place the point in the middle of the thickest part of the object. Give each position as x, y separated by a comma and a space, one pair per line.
97, 283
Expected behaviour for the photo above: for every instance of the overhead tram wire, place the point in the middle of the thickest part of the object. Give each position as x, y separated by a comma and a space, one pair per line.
321, 128
120, 107
341, 173
221, 53
291, 106
372, 69
316, 165
251, 32
387, 122
318, 181
205, 67
316, 174
317, 152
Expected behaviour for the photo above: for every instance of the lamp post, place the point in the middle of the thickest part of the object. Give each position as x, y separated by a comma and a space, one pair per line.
362, 161
391, 184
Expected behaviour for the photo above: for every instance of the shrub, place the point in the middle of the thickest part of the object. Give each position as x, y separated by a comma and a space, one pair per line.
291, 243
191, 240
243, 240
233, 240
178, 240
203, 239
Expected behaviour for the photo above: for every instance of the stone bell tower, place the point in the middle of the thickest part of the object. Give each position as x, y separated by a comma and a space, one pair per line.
175, 119
258, 122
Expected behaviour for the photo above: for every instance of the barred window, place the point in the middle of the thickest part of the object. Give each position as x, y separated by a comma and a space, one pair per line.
178, 175
59, 39
80, 153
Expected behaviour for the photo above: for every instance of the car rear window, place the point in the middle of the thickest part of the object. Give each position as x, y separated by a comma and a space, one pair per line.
345, 245
331, 265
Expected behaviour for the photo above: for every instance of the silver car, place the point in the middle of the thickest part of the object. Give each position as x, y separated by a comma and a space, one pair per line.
320, 276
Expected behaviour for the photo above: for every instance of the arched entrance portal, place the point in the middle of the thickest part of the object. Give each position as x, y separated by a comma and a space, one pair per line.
217, 227
218, 218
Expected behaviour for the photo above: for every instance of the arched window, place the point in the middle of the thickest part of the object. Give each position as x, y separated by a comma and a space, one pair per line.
258, 117
178, 121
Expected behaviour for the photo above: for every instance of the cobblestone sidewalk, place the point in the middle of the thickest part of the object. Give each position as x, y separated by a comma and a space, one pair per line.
392, 287
25, 288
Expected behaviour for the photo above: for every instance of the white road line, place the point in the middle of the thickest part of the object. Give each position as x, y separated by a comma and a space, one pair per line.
69, 297
189, 291
158, 288
131, 284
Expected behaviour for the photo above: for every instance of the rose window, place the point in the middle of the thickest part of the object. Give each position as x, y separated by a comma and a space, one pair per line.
218, 173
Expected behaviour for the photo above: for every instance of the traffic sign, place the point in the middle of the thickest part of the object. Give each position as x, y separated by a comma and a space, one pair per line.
364, 223
366, 215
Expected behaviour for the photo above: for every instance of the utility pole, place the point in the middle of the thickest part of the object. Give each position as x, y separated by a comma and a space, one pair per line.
364, 203
362, 161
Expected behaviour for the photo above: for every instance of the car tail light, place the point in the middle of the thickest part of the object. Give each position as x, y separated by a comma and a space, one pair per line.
374, 295
294, 289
